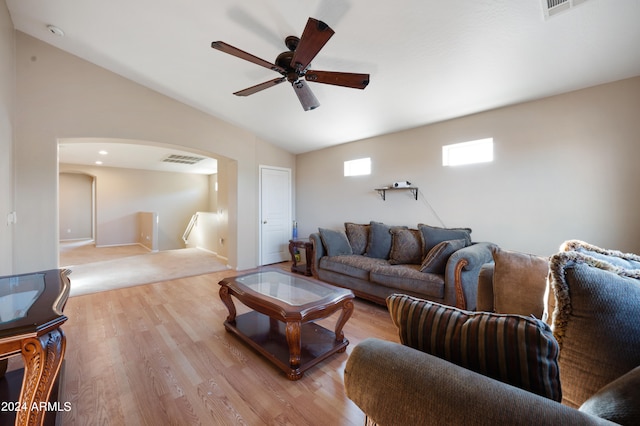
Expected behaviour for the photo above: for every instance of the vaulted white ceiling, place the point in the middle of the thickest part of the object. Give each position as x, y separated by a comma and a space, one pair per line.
429, 60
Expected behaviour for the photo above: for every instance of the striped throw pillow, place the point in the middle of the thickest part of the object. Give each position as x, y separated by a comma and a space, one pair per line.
514, 349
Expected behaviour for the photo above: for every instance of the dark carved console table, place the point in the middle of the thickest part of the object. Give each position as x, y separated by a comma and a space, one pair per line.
30, 318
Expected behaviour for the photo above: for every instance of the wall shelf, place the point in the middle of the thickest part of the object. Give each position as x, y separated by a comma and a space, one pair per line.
383, 191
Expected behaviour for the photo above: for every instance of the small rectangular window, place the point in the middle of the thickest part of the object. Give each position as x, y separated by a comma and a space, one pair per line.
479, 151
359, 167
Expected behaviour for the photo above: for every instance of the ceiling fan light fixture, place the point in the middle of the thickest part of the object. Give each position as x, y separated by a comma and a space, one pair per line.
305, 95
294, 65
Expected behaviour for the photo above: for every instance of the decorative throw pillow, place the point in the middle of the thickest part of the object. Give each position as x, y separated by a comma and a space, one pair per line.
435, 261
433, 235
615, 257
358, 236
595, 321
619, 401
406, 246
519, 282
380, 240
514, 349
335, 242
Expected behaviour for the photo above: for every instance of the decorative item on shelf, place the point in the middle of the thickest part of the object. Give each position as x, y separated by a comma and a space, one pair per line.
295, 229
405, 184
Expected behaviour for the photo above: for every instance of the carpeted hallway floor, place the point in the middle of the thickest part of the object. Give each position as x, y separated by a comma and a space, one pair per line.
85, 251
95, 269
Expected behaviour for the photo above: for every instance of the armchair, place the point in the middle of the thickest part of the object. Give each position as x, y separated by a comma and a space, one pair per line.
397, 385
431, 379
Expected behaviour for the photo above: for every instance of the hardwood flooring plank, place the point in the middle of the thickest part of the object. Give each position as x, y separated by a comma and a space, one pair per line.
159, 354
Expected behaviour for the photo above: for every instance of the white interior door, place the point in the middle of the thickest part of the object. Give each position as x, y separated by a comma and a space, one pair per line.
275, 214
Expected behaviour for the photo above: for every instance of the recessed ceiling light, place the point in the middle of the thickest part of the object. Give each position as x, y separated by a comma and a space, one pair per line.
55, 30
99, 163
103, 152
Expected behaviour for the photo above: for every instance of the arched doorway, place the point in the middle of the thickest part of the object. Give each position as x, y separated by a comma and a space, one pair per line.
134, 177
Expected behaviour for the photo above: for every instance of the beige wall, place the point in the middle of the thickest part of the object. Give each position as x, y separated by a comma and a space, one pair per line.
7, 85
148, 230
122, 193
62, 96
76, 205
565, 167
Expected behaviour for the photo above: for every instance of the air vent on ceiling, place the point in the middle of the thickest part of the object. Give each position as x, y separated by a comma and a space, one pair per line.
553, 7
182, 159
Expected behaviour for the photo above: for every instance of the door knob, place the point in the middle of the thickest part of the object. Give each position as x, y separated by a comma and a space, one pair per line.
264, 222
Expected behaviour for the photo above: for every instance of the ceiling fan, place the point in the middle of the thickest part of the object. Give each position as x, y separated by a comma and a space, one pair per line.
294, 65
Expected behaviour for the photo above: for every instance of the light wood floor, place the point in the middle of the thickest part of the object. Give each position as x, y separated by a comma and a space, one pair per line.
158, 354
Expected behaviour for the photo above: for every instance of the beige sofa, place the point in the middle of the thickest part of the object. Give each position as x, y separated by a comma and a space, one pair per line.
592, 302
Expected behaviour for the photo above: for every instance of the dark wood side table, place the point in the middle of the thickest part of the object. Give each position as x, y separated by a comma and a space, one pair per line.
305, 246
30, 318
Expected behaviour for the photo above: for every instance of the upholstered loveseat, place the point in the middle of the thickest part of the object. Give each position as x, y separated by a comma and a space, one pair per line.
486, 368
376, 260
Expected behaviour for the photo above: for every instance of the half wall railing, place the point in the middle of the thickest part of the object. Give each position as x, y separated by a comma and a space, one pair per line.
192, 223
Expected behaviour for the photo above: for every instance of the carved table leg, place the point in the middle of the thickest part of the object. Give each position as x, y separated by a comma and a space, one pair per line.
42, 359
309, 258
292, 251
347, 310
228, 302
294, 340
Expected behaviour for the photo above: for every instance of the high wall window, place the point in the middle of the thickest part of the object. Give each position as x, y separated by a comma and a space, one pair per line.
478, 151
359, 167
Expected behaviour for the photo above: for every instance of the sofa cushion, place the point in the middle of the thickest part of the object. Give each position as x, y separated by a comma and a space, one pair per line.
614, 257
379, 245
335, 242
358, 235
514, 349
619, 401
406, 246
519, 282
435, 261
408, 278
597, 306
433, 235
355, 266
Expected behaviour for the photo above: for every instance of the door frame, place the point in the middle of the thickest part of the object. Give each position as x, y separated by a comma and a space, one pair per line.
261, 168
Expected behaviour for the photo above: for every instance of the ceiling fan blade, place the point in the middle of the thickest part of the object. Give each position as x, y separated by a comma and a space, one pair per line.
258, 87
316, 34
345, 79
227, 48
305, 95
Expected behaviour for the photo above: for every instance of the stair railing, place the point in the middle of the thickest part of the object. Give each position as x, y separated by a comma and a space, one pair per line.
192, 223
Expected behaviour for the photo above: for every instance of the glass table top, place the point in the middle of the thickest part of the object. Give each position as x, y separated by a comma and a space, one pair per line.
18, 294
291, 289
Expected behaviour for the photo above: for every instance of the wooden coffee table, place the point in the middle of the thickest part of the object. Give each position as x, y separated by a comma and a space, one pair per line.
281, 326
